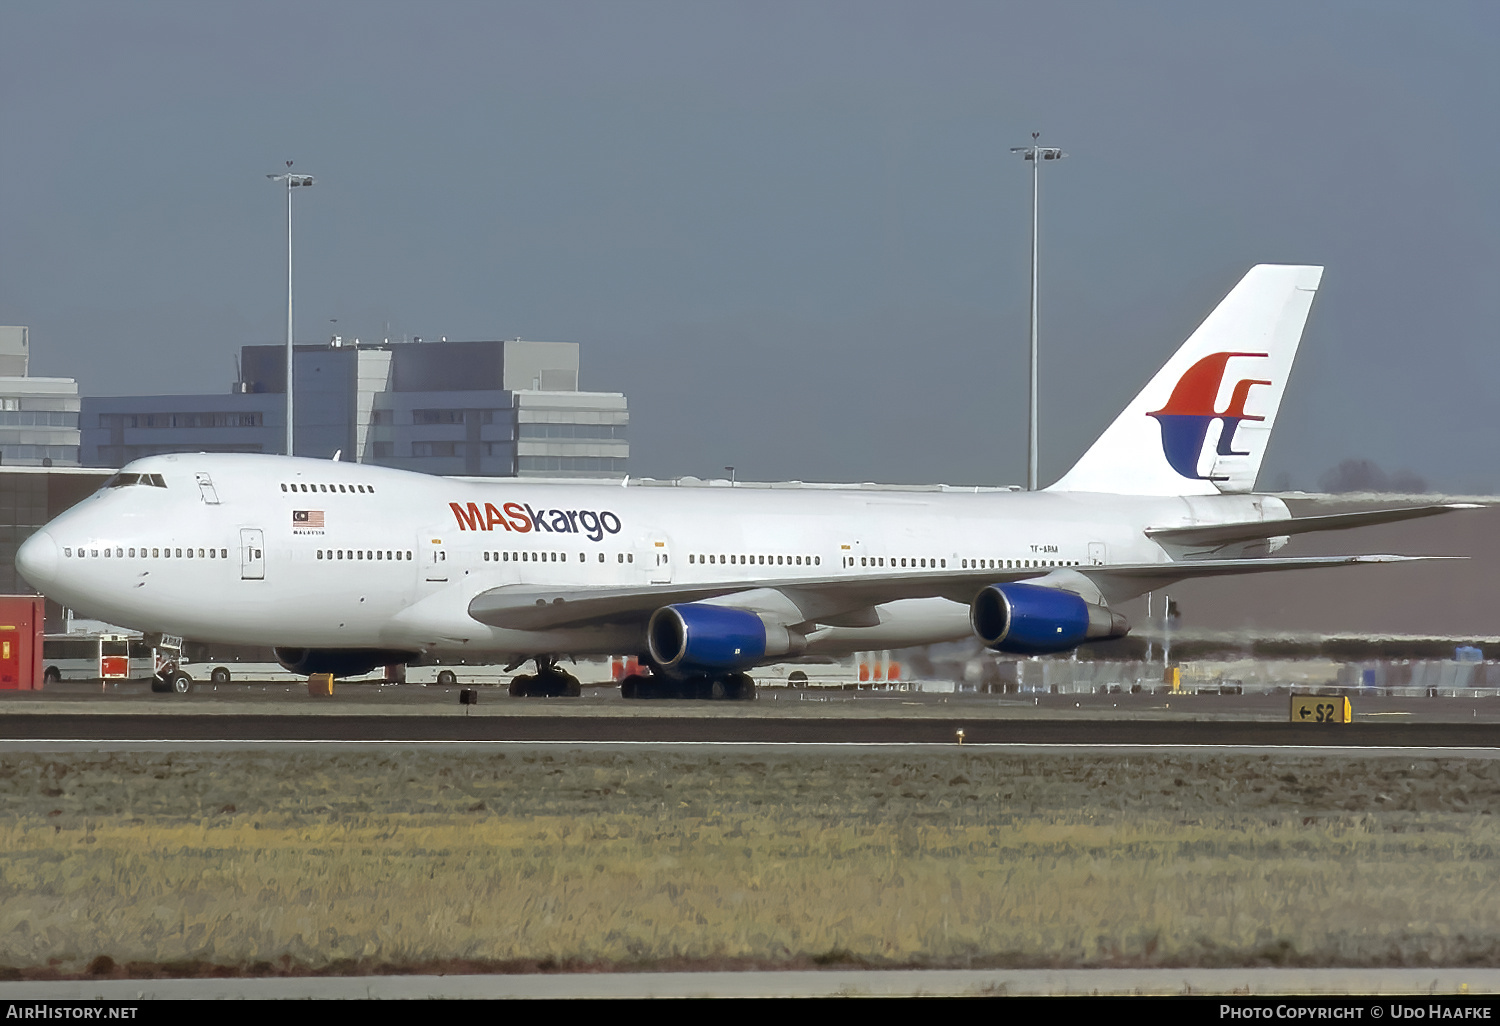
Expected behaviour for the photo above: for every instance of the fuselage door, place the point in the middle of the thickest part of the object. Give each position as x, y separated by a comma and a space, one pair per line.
252, 554
1096, 553
434, 558
206, 490
657, 554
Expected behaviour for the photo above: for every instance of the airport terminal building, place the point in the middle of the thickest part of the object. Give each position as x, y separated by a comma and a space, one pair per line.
483, 409
38, 416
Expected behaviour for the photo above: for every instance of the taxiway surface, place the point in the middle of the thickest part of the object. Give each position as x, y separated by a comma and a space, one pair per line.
278, 713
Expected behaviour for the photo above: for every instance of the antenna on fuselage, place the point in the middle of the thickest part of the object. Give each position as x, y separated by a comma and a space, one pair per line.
336, 454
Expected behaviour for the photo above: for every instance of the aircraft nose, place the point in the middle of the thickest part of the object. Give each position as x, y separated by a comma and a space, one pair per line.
36, 559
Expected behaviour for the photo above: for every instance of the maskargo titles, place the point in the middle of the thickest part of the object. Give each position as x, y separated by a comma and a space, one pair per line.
520, 517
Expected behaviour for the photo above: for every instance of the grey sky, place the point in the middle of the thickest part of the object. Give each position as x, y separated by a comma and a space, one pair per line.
792, 233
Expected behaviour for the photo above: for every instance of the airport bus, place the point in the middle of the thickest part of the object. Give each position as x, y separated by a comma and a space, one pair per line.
96, 656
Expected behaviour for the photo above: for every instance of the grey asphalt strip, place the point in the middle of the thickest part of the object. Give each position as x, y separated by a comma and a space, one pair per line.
188, 727
824, 983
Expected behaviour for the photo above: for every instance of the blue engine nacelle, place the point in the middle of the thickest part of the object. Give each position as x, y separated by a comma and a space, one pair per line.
1031, 620
696, 637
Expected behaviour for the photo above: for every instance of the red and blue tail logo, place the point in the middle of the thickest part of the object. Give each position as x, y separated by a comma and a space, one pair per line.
1189, 412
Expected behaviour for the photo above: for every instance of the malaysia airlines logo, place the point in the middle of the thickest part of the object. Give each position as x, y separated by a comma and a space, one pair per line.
1189, 412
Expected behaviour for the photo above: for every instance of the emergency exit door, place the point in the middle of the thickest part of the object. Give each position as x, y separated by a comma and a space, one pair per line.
252, 554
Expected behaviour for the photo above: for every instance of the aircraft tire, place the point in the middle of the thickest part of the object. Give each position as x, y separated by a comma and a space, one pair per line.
718, 689
635, 686
520, 685
740, 688
563, 685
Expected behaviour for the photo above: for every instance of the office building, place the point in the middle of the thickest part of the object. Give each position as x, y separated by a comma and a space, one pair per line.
38, 416
492, 409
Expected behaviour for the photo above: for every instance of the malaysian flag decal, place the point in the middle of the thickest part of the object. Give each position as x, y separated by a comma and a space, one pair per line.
307, 518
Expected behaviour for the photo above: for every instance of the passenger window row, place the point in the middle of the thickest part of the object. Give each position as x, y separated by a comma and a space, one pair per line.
299, 487
538, 557
370, 554
1016, 564
123, 553
532, 557
918, 563
903, 562
757, 560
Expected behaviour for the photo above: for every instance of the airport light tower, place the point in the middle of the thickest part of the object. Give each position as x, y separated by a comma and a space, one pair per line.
292, 182
1035, 153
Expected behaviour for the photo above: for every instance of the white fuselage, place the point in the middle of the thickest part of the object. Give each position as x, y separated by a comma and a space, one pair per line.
309, 553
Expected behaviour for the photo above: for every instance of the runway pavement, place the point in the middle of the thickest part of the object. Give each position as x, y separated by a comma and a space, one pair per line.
269, 713
453, 726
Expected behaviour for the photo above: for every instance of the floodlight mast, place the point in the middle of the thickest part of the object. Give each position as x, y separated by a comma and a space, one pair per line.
292, 182
1036, 154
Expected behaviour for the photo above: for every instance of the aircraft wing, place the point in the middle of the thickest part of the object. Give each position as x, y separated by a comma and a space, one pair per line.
1252, 530
534, 607
842, 600
1117, 583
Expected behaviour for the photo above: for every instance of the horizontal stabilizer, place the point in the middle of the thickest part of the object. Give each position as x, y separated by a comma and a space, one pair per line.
1213, 535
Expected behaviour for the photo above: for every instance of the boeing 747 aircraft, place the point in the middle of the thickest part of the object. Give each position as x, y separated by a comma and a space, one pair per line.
345, 567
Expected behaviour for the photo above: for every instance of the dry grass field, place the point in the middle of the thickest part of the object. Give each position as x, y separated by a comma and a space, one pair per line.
420, 859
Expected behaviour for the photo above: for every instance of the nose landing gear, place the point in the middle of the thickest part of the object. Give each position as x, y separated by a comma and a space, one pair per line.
172, 681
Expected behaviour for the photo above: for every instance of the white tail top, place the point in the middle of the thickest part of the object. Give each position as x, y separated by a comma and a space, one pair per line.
1201, 426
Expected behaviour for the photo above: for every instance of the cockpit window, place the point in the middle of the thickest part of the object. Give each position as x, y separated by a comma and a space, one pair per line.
123, 480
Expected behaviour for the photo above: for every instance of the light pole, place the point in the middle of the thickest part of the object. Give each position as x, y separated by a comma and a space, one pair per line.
1036, 154
292, 181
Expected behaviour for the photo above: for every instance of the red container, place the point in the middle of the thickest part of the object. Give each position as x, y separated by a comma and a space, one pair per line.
22, 620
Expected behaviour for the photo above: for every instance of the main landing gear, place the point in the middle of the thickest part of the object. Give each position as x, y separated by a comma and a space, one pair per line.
731, 687
549, 682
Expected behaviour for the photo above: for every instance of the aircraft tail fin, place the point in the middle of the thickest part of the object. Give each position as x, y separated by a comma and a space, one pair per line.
1200, 427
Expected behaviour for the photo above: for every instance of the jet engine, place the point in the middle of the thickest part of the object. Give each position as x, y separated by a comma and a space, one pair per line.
695, 637
1031, 620
341, 662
